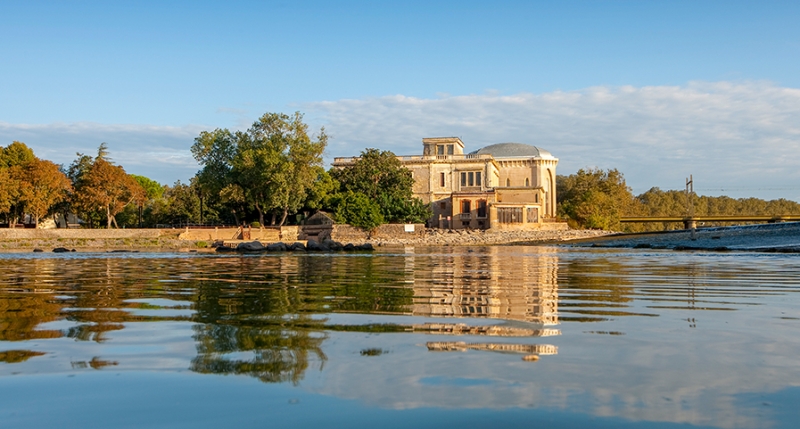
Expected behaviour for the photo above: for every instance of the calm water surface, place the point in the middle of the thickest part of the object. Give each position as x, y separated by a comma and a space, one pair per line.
414, 337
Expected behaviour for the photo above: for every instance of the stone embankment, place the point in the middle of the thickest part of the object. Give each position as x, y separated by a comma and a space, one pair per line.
170, 240
443, 237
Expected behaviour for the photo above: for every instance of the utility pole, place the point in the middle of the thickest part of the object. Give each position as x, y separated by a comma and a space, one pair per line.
689, 199
690, 223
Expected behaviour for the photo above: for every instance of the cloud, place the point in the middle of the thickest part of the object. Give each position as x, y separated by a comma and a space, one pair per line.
159, 152
735, 138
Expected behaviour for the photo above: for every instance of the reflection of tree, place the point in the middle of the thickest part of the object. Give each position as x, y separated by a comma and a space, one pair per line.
21, 313
279, 352
17, 356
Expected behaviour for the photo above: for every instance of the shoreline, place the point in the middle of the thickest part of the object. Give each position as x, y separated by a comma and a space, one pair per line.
432, 237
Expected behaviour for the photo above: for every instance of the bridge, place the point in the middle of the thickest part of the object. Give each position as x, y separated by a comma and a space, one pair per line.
690, 222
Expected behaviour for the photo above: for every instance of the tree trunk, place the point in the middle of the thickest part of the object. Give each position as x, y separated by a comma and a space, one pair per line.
283, 218
272, 222
108, 217
260, 214
235, 216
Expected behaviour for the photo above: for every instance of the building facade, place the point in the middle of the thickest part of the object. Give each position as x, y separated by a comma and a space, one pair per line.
501, 186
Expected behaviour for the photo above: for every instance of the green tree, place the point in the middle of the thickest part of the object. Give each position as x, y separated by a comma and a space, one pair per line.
271, 167
16, 154
382, 178
356, 209
595, 199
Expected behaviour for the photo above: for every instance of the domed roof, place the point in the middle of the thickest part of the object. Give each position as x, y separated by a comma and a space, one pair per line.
513, 150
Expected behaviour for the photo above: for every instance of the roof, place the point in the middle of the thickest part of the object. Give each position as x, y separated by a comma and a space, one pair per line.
513, 150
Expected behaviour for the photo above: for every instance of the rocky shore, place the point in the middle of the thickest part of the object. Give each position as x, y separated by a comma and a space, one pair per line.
431, 237
442, 237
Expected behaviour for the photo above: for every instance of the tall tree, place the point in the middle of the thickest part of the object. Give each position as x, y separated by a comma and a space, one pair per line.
42, 186
105, 187
272, 166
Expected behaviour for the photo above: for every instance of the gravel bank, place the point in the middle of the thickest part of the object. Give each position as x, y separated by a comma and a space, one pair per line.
437, 237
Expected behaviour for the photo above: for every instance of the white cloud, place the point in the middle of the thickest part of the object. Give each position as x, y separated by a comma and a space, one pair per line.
743, 137
736, 138
158, 152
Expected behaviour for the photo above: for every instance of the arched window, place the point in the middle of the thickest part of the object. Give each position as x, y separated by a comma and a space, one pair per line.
508, 182
527, 182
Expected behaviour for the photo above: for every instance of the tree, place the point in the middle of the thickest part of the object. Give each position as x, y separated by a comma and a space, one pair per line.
382, 178
276, 163
356, 209
104, 187
9, 190
16, 154
42, 186
271, 167
595, 199
152, 189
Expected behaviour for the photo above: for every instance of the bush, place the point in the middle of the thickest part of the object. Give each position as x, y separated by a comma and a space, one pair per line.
255, 224
356, 209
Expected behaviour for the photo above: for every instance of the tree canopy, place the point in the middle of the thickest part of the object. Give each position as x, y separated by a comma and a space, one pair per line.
272, 167
382, 178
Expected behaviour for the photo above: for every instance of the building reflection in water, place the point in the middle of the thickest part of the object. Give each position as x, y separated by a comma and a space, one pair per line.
482, 284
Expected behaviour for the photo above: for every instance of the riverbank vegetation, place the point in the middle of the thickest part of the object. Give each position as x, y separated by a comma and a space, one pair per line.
597, 199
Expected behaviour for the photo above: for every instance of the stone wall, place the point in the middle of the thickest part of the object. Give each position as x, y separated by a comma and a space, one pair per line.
32, 233
285, 233
347, 233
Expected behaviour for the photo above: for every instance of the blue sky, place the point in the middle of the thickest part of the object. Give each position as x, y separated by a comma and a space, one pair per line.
657, 89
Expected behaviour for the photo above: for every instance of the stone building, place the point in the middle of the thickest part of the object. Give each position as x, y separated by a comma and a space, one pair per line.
501, 186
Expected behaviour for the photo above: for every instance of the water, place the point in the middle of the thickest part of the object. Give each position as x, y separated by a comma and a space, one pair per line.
414, 337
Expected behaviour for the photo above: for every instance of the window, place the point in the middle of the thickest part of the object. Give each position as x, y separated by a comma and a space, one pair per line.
449, 149
508, 182
527, 182
536, 198
443, 205
481, 208
440, 150
441, 180
465, 206
509, 214
533, 214
472, 178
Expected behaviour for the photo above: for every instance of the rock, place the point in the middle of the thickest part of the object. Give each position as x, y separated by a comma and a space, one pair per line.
313, 246
225, 249
277, 247
365, 246
349, 247
252, 246
60, 250
37, 250
297, 246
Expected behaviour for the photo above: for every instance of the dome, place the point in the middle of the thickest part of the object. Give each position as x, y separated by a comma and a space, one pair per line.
513, 150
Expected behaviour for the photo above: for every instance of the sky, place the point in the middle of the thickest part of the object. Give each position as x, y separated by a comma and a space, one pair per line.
659, 90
